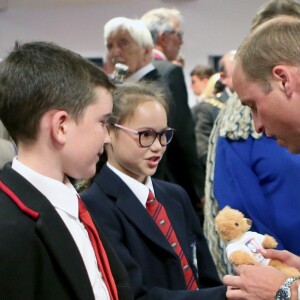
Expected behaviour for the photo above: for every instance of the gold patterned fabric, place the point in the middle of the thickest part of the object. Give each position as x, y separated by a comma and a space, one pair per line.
233, 122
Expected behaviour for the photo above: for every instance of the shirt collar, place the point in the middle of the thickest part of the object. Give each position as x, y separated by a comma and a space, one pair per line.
157, 54
135, 77
62, 196
140, 190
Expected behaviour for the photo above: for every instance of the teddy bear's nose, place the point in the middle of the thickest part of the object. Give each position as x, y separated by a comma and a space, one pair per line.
249, 222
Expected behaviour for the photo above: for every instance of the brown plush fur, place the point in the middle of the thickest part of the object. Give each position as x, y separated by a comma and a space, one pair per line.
231, 224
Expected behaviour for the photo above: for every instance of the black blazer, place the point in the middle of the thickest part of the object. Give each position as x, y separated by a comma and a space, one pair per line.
39, 258
154, 268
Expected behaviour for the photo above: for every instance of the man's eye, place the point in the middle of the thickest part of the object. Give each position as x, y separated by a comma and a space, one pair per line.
123, 43
252, 107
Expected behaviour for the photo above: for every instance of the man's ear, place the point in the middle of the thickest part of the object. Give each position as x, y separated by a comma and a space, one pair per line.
148, 53
162, 39
285, 76
60, 120
222, 77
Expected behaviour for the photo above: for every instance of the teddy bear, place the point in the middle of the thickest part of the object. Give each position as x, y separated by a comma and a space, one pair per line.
243, 245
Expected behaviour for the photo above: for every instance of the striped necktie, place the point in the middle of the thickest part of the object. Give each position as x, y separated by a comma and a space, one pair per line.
159, 214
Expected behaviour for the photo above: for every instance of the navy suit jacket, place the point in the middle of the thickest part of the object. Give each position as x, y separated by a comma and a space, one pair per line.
39, 258
154, 268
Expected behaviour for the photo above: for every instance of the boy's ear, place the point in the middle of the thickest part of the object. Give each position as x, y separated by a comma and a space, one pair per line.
59, 126
284, 75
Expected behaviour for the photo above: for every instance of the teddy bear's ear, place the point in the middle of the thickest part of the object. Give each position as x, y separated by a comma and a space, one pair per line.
226, 207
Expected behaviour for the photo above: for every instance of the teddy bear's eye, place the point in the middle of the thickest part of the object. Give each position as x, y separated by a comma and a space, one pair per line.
236, 224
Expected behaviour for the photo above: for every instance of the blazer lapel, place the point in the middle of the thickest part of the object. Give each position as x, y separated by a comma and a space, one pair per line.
131, 207
64, 249
53, 232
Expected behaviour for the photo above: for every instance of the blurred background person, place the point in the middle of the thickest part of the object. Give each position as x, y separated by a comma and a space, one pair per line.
225, 70
199, 79
164, 25
206, 112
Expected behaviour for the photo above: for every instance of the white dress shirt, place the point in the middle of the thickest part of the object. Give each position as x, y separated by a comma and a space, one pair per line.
63, 197
135, 77
140, 190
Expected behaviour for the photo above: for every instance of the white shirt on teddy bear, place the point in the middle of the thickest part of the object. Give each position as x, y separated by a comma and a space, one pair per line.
250, 242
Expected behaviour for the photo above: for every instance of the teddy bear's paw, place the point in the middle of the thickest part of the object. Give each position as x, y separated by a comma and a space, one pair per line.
269, 242
289, 271
241, 258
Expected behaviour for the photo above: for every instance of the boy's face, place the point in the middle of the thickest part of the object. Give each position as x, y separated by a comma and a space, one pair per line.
274, 113
198, 85
86, 138
125, 152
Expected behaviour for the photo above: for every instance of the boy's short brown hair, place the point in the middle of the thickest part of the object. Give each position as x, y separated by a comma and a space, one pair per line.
39, 76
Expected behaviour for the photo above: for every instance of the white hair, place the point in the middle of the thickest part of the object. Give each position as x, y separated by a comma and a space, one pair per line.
159, 20
136, 29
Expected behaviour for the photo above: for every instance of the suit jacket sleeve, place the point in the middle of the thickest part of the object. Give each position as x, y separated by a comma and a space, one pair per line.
184, 143
204, 115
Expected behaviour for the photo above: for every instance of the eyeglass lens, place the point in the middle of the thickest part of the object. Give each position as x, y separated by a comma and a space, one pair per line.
148, 137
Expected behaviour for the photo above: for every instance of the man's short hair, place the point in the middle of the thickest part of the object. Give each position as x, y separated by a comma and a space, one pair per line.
272, 43
202, 71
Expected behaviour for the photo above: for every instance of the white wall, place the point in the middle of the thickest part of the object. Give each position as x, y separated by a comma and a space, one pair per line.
212, 27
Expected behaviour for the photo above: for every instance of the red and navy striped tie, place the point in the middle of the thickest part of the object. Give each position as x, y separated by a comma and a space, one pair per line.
159, 214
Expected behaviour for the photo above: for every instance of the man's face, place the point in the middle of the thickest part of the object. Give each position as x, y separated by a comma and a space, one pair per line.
123, 49
172, 41
274, 113
198, 85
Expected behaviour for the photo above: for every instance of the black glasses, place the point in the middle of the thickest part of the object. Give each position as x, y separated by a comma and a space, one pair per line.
147, 137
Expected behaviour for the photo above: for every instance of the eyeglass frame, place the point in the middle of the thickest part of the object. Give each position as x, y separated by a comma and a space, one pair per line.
140, 132
178, 33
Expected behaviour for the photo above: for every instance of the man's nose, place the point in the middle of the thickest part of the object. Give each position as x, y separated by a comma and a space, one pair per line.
259, 127
114, 51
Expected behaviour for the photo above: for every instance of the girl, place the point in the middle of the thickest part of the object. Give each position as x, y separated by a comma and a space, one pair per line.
151, 223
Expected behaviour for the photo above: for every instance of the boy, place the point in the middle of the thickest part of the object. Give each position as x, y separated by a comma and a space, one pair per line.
54, 104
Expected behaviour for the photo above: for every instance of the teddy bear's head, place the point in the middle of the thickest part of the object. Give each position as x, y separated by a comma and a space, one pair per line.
231, 224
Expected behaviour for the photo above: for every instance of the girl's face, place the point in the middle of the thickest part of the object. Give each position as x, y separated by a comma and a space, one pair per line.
125, 152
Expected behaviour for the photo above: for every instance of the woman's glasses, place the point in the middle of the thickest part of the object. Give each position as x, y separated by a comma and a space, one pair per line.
147, 137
